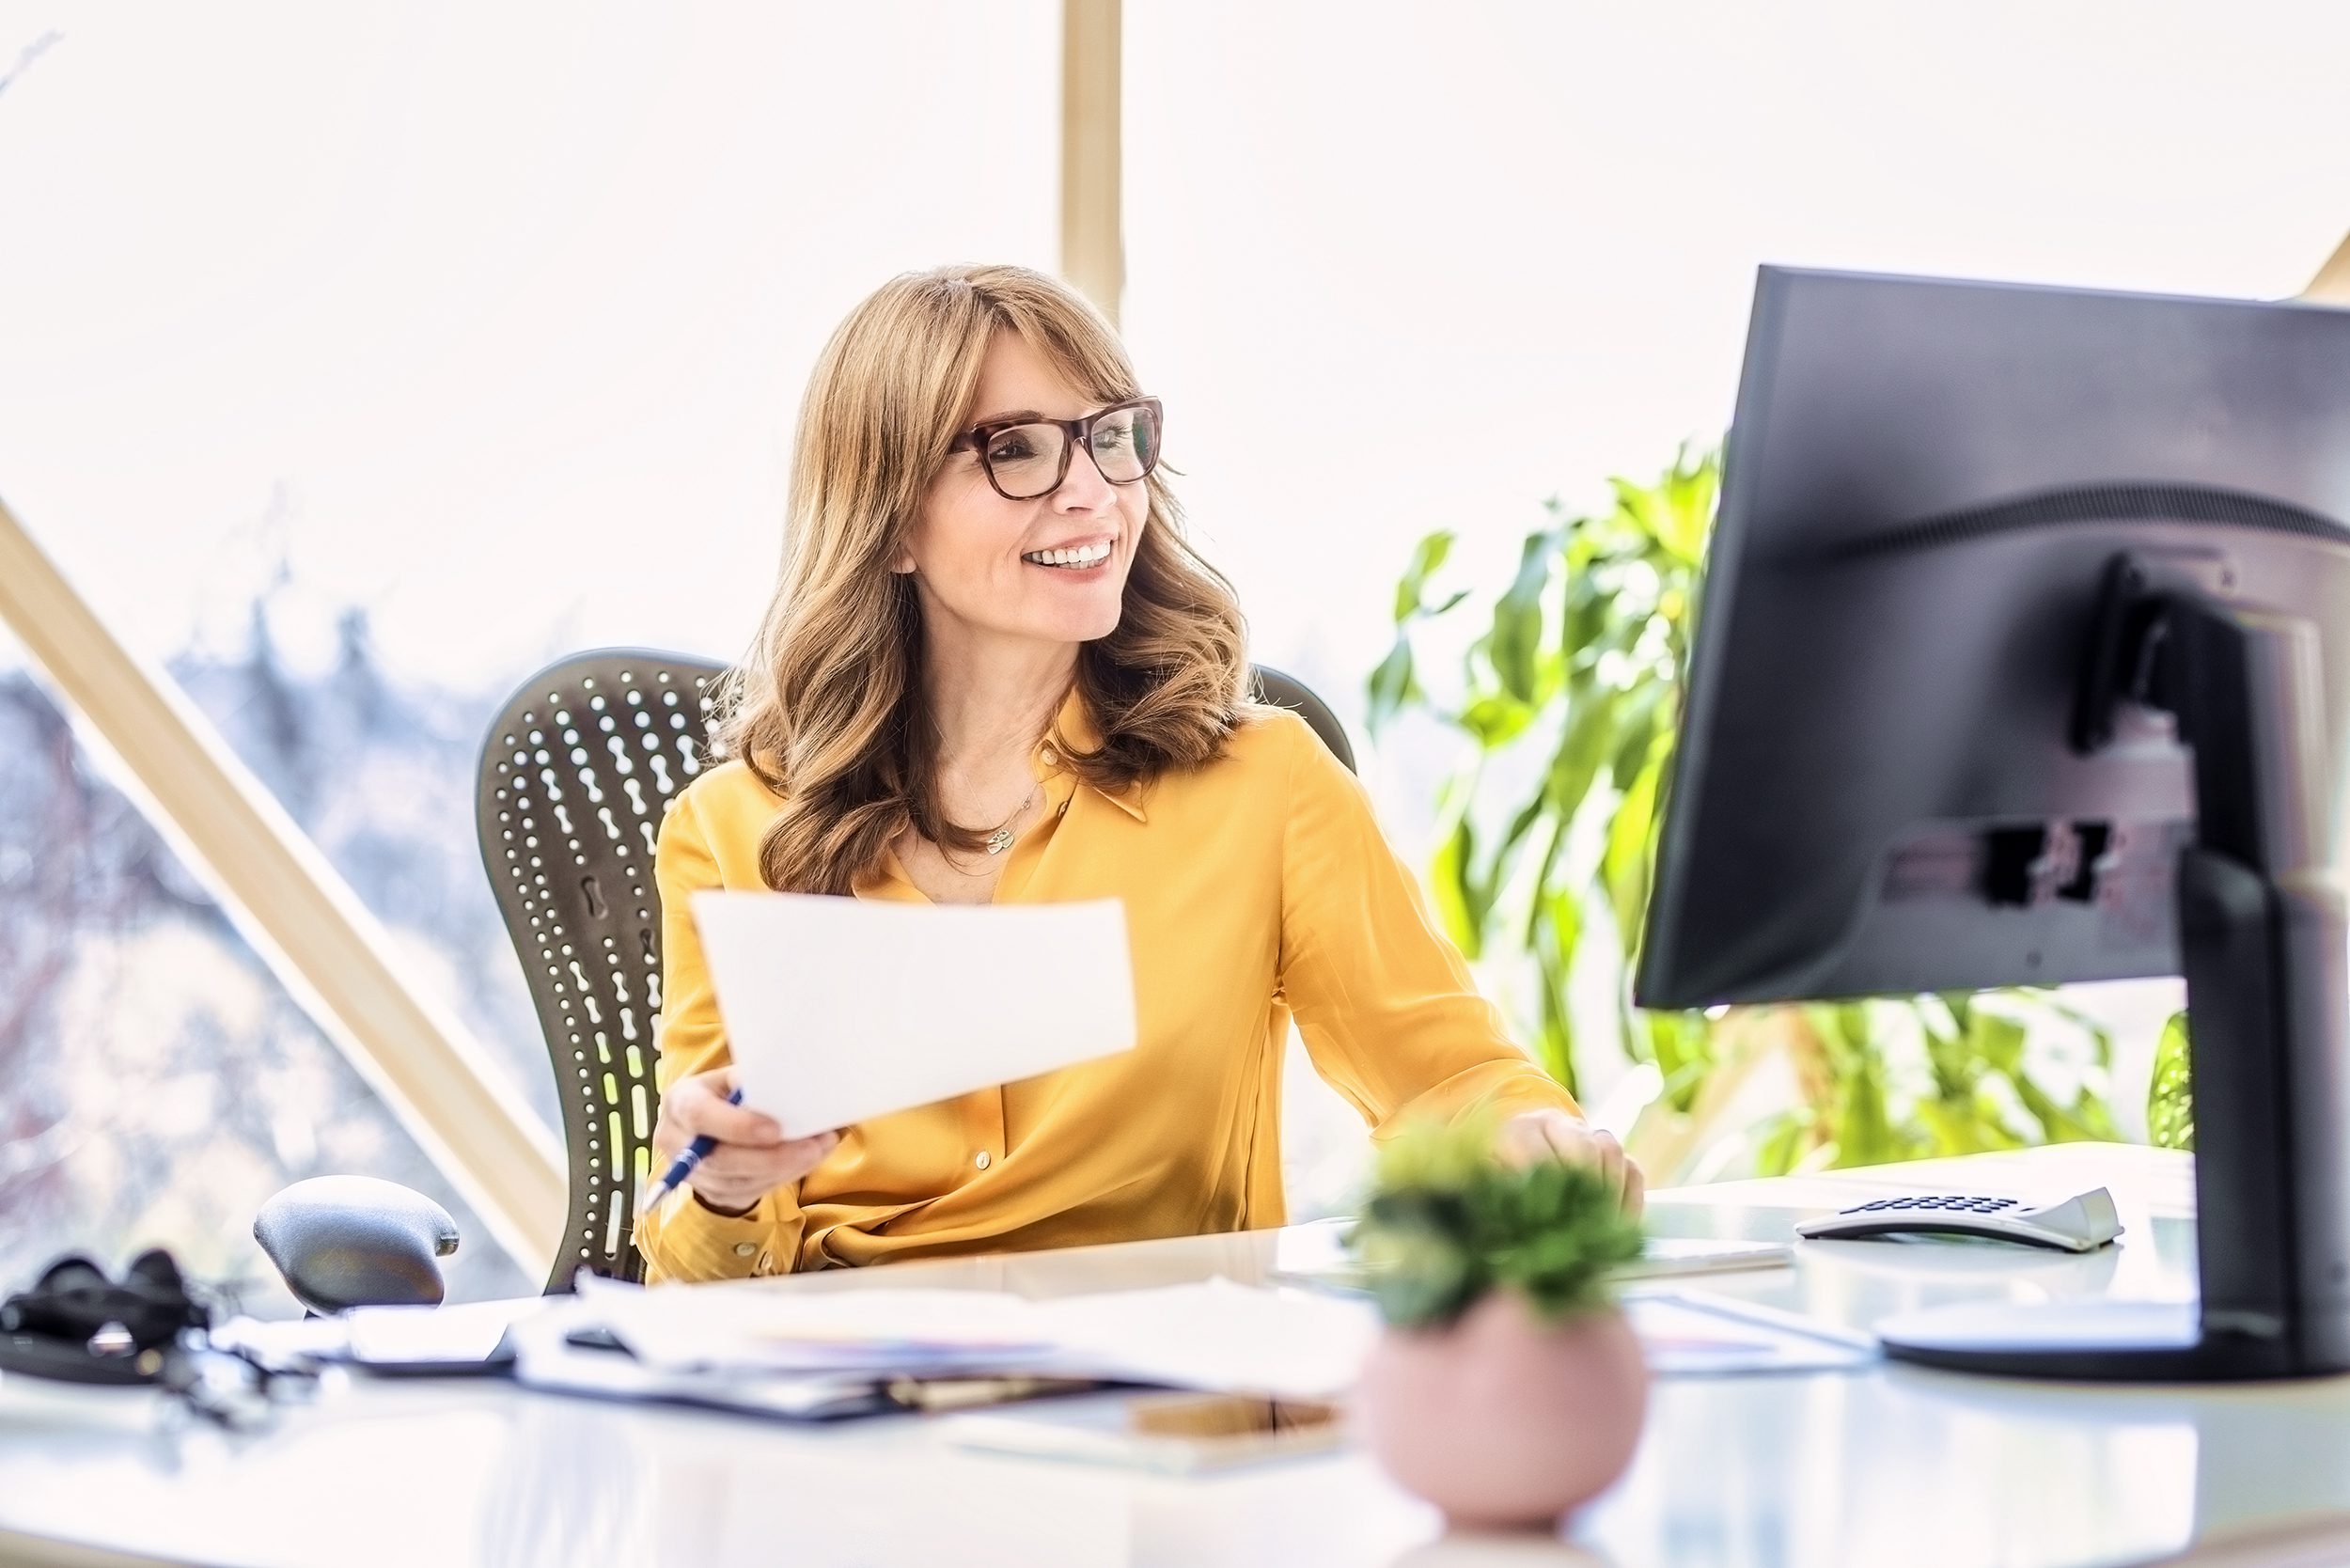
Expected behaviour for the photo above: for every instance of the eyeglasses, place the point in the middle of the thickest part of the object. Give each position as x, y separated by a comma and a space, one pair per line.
1028, 457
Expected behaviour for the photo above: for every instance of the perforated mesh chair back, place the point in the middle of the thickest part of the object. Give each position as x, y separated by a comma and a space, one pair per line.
576, 773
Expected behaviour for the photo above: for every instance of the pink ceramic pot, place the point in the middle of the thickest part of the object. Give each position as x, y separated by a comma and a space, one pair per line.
1502, 1421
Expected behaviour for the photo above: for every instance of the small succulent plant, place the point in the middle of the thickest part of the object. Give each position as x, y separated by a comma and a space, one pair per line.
1448, 1221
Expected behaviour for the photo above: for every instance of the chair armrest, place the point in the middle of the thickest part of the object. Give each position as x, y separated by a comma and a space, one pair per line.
356, 1241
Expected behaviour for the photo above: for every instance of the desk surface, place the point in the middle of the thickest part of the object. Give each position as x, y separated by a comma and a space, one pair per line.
1893, 1464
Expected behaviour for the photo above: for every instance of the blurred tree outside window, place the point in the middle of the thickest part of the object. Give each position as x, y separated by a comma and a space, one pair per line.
358, 364
156, 1081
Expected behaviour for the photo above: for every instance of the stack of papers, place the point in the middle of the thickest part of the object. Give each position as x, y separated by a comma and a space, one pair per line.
881, 1332
1216, 1336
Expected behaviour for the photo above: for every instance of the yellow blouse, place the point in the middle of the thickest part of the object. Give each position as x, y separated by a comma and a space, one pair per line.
1256, 888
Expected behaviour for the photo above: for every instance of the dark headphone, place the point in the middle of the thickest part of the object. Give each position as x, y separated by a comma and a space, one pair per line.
52, 1329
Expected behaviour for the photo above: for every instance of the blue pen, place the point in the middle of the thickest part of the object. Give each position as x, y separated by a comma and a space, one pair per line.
675, 1176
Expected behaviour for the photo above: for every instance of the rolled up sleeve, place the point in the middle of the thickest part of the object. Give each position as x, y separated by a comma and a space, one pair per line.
1385, 1002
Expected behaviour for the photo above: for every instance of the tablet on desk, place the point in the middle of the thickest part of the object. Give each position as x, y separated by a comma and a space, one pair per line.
1316, 1254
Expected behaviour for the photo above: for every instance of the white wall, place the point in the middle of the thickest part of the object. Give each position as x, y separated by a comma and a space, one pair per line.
500, 312
476, 300
1518, 241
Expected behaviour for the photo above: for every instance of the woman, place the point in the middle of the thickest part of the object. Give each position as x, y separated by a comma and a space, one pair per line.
994, 671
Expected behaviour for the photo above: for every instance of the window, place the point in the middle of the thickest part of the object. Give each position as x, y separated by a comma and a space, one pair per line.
358, 365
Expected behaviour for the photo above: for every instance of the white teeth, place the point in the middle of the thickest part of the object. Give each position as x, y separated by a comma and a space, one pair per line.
1091, 554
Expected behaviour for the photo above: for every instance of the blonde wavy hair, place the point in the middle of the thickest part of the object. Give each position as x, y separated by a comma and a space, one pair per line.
829, 707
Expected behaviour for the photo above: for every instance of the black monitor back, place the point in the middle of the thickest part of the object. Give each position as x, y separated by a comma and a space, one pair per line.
1877, 790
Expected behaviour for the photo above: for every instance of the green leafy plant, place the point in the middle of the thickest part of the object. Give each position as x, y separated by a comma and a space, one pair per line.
1448, 1222
2170, 1095
1581, 664
1570, 697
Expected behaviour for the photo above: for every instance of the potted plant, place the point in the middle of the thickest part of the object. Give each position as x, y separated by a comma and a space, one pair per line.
1508, 1388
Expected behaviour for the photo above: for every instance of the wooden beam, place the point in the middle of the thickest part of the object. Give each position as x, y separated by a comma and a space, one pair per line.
1092, 240
2331, 285
299, 916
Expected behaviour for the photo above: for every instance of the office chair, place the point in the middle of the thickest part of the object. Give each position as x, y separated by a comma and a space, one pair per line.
576, 771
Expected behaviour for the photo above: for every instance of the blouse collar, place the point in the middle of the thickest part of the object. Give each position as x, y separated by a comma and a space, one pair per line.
1072, 727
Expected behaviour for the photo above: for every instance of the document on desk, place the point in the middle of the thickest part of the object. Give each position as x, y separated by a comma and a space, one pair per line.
1215, 1335
842, 1009
880, 1330
1316, 1253
1686, 1333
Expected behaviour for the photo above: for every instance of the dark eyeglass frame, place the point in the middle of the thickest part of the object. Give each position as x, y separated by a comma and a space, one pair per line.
1079, 433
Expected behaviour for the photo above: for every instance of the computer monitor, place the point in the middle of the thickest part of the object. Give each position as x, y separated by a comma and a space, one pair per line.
2024, 657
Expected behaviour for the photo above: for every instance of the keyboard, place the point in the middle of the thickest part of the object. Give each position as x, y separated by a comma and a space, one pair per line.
2079, 1223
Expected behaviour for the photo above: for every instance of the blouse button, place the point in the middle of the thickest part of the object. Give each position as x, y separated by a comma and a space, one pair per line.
1049, 758
744, 1249
979, 1159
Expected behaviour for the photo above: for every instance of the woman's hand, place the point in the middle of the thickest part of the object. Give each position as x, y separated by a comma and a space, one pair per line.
1550, 1134
752, 1157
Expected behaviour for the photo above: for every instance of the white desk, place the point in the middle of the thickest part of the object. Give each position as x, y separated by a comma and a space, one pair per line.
1892, 1466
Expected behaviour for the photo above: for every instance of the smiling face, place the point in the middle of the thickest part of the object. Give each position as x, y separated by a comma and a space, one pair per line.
983, 566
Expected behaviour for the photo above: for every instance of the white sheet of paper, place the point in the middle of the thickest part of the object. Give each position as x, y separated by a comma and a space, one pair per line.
1214, 1335
1697, 1333
1314, 1253
1222, 1337
466, 1332
891, 1332
842, 1009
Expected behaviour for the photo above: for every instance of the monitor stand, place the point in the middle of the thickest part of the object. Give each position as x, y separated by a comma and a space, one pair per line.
2262, 939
